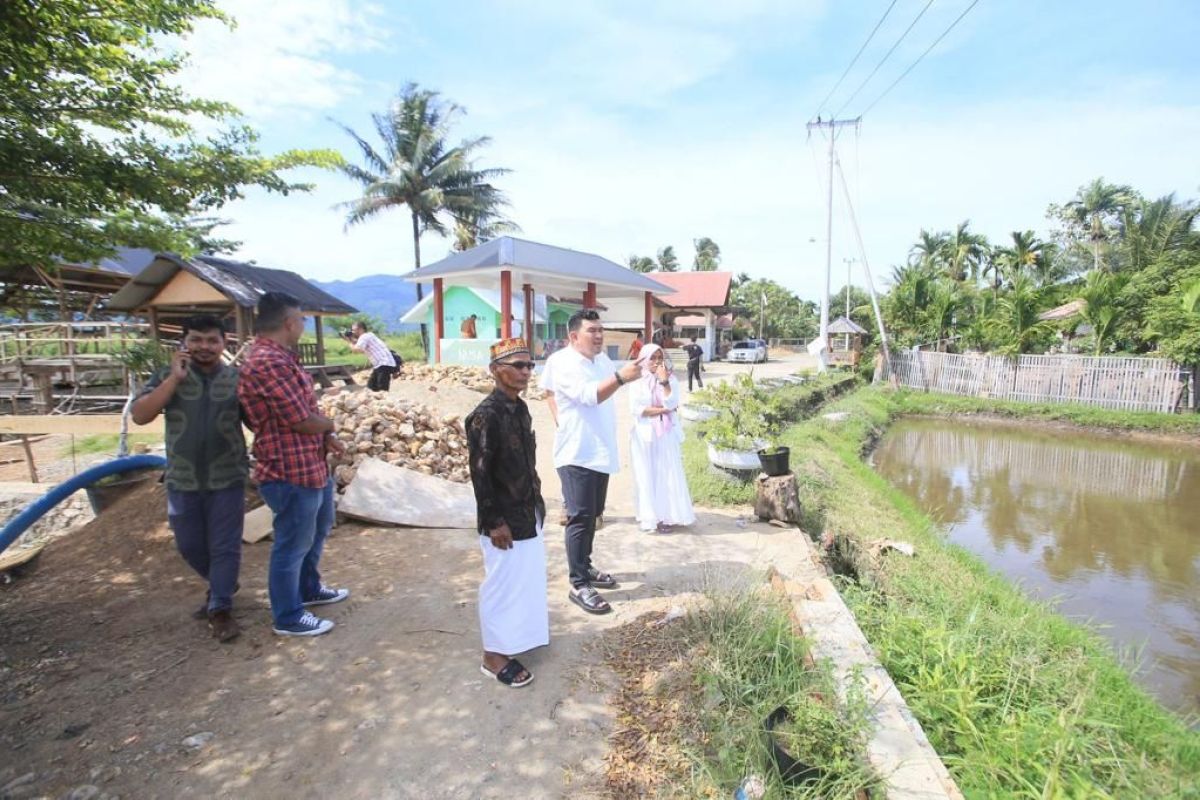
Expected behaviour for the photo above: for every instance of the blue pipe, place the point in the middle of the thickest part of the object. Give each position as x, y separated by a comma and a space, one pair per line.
34, 511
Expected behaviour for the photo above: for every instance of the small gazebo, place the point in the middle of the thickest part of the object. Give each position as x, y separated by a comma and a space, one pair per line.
508, 262
851, 344
171, 288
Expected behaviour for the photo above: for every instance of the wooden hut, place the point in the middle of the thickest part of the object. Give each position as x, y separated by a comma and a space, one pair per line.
172, 288
846, 340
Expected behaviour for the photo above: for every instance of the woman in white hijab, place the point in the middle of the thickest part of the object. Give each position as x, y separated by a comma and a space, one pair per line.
662, 496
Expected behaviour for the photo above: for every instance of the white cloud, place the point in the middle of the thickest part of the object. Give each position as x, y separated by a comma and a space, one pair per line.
279, 58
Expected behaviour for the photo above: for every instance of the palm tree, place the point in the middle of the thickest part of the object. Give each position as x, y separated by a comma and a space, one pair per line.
1102, 310
667, 262
640, 263
1015, 322
1191, 297
941, 313
1028, 255
1094, 209
1151, 228
708, 255
474, 229
964, 252
418, 169
929, 252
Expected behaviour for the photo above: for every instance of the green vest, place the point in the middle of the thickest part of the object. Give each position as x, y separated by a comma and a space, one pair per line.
206, 450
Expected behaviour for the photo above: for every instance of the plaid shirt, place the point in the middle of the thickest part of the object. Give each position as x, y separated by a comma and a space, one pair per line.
277, 393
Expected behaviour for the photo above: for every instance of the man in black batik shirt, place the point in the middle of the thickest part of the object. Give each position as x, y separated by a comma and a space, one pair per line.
513, 613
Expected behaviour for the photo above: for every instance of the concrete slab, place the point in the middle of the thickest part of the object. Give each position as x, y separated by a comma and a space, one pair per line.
258, 525
384, 493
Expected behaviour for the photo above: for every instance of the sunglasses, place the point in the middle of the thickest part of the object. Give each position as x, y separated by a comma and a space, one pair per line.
518, 364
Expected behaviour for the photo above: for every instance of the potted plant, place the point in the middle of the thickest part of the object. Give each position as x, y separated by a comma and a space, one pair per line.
774, 459
699, 407
741, 429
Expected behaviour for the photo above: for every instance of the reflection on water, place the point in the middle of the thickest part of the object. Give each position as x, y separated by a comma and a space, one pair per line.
1109, 529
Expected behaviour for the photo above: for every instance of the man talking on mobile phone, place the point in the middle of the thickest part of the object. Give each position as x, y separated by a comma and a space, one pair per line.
206, 463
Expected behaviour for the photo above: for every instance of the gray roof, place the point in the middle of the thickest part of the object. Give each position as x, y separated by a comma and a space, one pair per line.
242, 283
549, 269
843, 325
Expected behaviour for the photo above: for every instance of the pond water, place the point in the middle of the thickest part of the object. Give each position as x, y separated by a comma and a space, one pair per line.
1106, 528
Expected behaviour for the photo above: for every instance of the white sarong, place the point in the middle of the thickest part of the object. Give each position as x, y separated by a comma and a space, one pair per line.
513, 612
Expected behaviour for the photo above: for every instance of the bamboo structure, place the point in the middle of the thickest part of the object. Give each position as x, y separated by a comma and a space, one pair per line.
1114, 382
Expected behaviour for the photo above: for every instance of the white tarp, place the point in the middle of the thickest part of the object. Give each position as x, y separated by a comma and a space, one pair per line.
384, 493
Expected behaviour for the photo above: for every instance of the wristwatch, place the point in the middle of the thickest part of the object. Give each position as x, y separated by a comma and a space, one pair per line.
617, 375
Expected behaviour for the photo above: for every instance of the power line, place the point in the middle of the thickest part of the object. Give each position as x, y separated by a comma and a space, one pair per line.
918, 61
884, 59
854, 60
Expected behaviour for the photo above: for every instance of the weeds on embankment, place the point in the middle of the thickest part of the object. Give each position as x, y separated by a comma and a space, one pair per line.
1018, 701
695, 692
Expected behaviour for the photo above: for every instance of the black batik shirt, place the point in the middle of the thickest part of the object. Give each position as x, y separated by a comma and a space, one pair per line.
503, 464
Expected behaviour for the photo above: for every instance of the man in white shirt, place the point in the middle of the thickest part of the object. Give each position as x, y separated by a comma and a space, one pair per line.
382, 362
585, 446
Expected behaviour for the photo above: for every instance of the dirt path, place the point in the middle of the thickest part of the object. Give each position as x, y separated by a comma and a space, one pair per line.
103, 675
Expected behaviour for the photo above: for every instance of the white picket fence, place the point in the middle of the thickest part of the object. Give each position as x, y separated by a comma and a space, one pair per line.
1132, 384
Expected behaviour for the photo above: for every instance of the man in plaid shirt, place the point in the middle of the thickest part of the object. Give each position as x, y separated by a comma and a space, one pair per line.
291, 440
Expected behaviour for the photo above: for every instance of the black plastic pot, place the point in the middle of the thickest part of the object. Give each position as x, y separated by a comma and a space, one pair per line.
792, 771
774, 462
102, 496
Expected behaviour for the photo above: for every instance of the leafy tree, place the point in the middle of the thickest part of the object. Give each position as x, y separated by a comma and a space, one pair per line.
740, 278
784, 315
98, 144
667, 261
641, 263
708, 255
418, 170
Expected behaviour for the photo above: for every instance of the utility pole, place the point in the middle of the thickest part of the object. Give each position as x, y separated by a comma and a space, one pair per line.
848, 262
834, 125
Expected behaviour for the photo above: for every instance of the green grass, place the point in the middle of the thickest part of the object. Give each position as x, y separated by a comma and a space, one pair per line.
1017, 700
907, 401
106, 443
337, 349
752, 662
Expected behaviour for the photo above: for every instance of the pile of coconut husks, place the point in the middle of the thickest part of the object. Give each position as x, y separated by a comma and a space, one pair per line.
400, 432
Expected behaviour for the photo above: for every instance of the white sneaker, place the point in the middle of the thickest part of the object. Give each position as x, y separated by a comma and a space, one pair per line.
309, 624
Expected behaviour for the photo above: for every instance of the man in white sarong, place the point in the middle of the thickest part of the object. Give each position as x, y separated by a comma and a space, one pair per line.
661, 492
513, 613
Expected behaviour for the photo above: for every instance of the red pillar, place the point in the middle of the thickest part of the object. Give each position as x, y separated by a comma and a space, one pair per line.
528, 316
649, 318
589, 296
439, 320
506, 304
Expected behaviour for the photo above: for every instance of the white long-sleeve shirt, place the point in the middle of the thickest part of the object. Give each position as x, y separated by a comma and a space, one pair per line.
587, 429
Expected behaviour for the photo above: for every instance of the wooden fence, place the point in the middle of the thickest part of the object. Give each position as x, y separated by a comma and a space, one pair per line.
1132, 384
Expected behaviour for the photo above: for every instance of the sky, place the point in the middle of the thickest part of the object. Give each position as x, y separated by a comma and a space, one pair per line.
633, 125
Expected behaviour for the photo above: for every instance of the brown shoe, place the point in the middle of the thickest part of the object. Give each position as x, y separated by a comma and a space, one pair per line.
224, 627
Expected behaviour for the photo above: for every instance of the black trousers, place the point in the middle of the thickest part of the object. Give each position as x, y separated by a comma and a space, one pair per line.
380, 380
584, 492
694, 372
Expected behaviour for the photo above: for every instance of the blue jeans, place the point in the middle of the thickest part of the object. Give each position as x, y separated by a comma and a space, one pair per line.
303, 518
208, 533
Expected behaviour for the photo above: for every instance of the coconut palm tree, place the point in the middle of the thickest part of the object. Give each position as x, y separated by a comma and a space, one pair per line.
708, 255
930, 251
1101, 294
1095, 208
475, 228
640, 263
667, 261
1151, 228
417, 169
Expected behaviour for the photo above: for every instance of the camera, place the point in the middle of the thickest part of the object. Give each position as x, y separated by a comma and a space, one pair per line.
346, 333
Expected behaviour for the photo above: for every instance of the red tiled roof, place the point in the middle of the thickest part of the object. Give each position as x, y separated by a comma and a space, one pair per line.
695, 289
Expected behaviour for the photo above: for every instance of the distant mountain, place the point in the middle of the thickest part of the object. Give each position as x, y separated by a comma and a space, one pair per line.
384, 296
